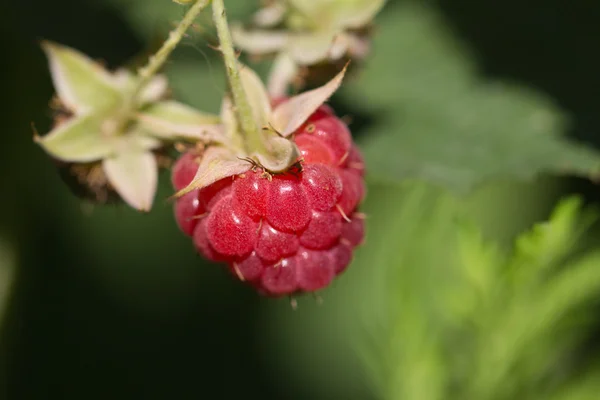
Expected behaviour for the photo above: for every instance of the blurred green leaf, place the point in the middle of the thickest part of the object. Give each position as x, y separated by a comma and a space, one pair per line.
548, 244
454, 322
402, 317
517, 330
443, 123
584, 388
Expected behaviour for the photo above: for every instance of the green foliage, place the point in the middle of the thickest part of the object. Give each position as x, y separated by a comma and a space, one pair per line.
443, 123
478, 321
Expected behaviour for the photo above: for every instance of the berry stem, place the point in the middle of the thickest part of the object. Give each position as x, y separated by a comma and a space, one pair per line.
254, 141
157, 60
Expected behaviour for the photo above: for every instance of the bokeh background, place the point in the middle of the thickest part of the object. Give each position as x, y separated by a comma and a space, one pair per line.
101, 302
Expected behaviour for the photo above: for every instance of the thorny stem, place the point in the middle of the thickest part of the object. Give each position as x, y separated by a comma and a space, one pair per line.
253, 135
157, 60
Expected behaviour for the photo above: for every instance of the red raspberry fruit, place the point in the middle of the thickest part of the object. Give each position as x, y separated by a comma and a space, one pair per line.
285, 233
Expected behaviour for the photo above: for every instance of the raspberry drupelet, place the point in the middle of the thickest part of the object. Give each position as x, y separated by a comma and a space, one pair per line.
282, 233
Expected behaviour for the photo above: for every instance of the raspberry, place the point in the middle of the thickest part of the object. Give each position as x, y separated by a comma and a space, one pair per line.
230, 231
355, 162
187, 210
273, 244
287, 204
322, 186
250, 192
313, 150
332, 133
284, 233
323, 231
184, 170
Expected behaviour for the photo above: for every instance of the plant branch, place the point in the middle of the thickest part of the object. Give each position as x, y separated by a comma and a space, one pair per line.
157, 60
252, 133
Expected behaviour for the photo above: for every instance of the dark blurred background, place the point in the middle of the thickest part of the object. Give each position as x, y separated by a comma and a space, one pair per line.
107, 303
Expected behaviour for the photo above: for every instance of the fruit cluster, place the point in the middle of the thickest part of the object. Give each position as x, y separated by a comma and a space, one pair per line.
282, 233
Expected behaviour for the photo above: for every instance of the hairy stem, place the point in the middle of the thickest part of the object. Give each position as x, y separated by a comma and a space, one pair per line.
252, 133
160, 57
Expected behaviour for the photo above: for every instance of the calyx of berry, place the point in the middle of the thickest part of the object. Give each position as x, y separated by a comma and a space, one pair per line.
274, 124
110, 121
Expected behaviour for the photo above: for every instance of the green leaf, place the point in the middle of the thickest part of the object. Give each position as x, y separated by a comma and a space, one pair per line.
548, 243
585, 388
529, 314
577, 285
479, 266
531, 332
81, 83
442, 123
454, 323
405, 280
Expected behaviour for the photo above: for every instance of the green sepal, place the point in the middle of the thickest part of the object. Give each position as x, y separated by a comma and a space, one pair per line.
79, 139
217, 163
81, 83
134, 175
172, 120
